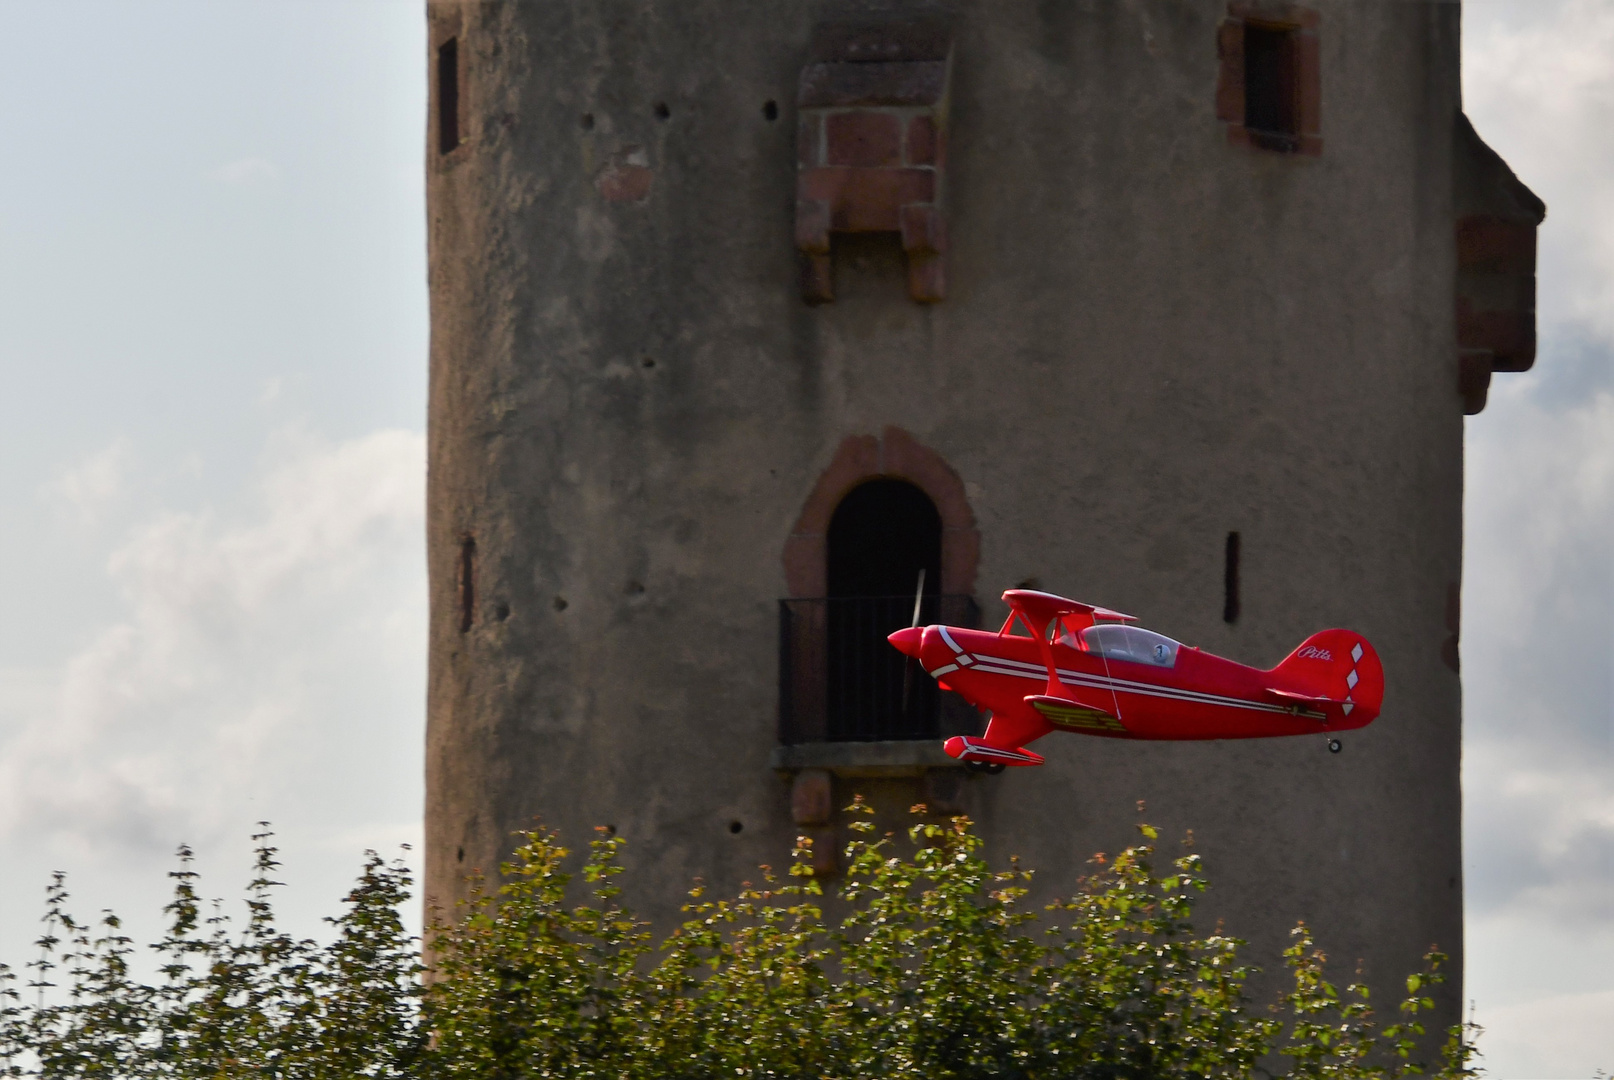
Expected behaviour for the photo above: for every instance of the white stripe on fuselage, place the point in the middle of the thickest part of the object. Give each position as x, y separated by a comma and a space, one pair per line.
997, 665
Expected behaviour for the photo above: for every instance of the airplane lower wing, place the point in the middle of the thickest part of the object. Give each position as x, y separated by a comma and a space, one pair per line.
1072, 715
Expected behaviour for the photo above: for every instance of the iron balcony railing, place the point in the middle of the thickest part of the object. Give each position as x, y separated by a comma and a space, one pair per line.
841, 681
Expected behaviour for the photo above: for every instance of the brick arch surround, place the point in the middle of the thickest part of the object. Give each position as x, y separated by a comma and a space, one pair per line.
894, 454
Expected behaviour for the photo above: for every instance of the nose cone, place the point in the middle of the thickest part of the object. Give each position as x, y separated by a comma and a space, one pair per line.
907, 641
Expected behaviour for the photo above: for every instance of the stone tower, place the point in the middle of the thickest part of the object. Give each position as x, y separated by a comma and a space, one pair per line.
1174, 306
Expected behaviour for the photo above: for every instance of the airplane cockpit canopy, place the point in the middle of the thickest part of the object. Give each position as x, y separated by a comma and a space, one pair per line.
1117, 641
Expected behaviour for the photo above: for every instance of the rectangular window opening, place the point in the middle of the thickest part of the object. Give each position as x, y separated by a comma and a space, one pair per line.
1230, 580
448, 96
1271, 113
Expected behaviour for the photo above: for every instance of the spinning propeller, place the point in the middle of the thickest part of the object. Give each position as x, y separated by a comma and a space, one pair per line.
907, 668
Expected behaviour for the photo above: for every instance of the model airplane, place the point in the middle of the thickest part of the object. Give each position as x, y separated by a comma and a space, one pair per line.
1101, 676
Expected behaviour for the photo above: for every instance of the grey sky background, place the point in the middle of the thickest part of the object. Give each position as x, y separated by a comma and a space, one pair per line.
212, 400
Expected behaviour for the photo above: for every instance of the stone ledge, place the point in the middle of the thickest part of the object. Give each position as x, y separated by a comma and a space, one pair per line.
904, 758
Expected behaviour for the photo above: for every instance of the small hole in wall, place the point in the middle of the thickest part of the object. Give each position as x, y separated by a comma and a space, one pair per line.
735, 827
561, 604
635, 588
502, 611
649, 362
610, 830
1230, 580
586, 121
459, 855
770, 111
662, 112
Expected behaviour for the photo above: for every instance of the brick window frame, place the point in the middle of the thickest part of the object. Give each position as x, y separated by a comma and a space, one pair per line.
1302, 23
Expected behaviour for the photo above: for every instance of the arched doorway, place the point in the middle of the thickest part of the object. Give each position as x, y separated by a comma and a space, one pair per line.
885, 507
882, 556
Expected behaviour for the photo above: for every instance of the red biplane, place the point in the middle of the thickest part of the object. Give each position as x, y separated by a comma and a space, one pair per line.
1102, 676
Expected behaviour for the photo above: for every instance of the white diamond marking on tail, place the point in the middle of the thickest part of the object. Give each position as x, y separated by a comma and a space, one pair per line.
1356, 653
1347, 707
1351, 680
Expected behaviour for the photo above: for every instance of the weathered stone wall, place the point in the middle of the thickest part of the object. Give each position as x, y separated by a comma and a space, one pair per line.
1151, 336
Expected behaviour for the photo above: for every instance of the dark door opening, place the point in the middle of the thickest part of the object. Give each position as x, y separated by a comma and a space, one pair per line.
882, 535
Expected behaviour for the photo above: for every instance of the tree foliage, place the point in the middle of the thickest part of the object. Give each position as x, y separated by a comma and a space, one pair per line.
936, 970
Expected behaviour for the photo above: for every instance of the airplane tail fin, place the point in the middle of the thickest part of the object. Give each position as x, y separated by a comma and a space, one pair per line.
1334, 666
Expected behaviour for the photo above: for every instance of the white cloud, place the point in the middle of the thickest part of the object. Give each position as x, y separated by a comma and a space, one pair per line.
246, 638
1558, 1036
1542, 997
246, 171
1541, 90
1538, 666
1538, 605
89, 486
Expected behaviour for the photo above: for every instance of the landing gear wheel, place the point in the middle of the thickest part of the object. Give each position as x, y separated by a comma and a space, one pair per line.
1335, 746
987, 768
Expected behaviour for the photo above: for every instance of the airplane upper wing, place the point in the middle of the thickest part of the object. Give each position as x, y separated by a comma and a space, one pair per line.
1041, 607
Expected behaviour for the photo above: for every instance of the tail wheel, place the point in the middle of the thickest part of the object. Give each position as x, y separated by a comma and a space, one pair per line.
1335, 746
987, 768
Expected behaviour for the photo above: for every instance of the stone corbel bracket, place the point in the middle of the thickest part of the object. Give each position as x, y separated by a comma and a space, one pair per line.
872, 148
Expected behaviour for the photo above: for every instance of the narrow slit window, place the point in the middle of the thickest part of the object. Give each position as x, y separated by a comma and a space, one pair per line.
1230, 580
467, 583
448, 95
1271, 112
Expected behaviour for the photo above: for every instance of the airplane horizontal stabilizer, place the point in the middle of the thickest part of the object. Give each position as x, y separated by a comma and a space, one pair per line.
1304, 699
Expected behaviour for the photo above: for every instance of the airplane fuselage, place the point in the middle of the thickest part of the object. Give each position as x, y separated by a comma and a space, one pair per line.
1199, 696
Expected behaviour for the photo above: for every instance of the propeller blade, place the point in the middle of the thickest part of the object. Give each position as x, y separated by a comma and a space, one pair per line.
907, 667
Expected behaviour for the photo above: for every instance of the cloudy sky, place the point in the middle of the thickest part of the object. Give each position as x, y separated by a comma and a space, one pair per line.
212, 460
212, 396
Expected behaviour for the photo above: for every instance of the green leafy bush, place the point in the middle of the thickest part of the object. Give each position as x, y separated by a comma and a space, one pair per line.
935, 971
252, 1003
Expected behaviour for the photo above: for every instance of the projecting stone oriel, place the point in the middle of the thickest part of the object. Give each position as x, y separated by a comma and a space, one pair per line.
872, 147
